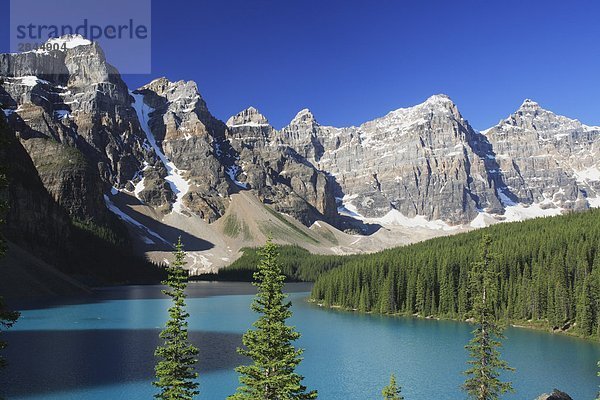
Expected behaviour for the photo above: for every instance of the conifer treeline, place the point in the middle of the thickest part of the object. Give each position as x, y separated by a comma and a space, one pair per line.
549, 273
297, 265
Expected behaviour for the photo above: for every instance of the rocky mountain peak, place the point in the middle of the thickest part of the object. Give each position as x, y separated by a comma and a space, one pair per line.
439, 103
440, 98
70, 41
422, 165
178, 97
81, 64
530, 116
248, 117
530, 106
174, 91
304, 117
438, 107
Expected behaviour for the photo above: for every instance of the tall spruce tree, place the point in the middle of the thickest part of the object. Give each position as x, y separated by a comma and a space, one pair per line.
585, 308
7, 317
483, 381
175, 370
392, 391
272, 374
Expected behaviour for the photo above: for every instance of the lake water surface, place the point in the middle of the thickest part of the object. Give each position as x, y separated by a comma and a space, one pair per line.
101, 347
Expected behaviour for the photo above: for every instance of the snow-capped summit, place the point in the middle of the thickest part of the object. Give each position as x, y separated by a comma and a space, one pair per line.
70, 41
530, 105
439, 105
439, 99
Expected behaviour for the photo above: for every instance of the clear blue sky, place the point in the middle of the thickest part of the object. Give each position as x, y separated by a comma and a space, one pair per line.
350, 61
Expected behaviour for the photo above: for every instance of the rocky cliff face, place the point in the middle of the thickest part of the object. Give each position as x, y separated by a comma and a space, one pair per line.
424, 160
183, 133
546, 158
427, 160
276, 171
45, 242
162, 154
73, 114
35, 220
207, 160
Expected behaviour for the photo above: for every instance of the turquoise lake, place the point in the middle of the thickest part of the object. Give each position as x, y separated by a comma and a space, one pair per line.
101, 347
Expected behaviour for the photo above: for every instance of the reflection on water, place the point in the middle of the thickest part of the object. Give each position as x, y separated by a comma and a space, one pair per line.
66, 360
101, 347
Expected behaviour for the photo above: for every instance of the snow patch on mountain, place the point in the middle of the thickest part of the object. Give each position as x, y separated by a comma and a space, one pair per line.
594, 202
69, 41
521, 212
26, 80
588, 174
179, 185
139, 188
393, 217
117, 211
345, 206
233, 172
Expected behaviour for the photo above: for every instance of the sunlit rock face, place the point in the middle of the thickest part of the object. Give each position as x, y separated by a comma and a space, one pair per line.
547, 158
88, 136
72, 112
277, 172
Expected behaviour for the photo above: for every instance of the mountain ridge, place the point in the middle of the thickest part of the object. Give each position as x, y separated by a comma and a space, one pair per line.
157, 156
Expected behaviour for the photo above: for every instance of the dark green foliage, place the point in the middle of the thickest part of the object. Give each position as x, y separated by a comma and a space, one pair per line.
49, 233
107, 250
114, 233
548, 274
7, 317
392, 391
271, 376
175, 372
483, 381
297, 265
587, 307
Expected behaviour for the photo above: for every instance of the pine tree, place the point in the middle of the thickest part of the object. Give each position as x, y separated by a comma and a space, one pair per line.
363, 304
549, 274
175, 371
7, 317
392, 391
585, 309
483, 382
269, 345
387, 302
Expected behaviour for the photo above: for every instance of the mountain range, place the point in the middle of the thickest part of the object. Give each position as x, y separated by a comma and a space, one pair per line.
154, 162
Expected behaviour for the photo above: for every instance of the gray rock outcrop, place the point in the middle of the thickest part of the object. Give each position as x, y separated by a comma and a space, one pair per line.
555, 395
427, 160
72, 112
277, 172
87, 133
423, 160
193, 140
546, 158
